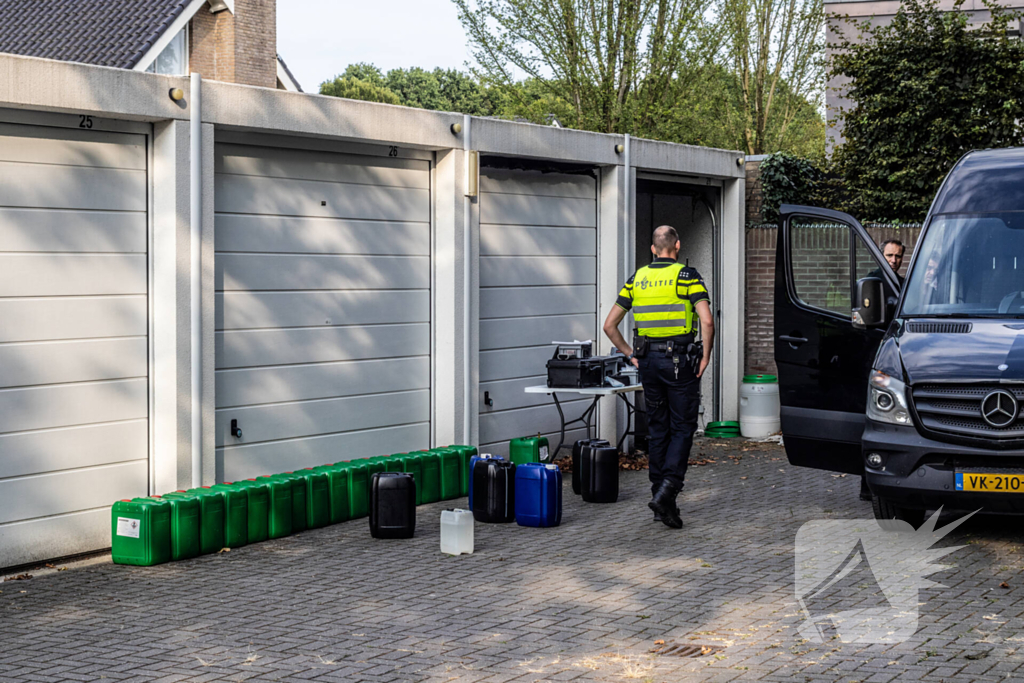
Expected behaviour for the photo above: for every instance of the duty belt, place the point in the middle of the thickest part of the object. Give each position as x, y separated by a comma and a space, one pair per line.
661, 343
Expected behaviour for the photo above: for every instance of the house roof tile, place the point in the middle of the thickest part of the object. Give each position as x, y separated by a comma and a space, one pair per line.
104, 32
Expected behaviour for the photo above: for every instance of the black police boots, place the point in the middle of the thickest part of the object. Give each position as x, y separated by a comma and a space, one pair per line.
664, 505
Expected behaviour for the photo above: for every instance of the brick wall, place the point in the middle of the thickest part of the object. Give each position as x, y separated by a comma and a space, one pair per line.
753, 192
821, 258
239, 47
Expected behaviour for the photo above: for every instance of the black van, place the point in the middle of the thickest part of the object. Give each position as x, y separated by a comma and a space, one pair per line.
920, 391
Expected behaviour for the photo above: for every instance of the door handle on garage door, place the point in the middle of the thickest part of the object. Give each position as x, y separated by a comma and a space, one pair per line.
793, 341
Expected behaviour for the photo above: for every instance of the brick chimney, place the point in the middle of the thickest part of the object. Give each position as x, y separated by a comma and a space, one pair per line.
236, 48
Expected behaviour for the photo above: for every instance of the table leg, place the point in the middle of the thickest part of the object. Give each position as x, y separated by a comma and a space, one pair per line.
629, 421
561, 435
586, 418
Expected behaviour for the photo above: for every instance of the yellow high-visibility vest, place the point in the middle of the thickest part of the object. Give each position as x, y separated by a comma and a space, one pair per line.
662, 297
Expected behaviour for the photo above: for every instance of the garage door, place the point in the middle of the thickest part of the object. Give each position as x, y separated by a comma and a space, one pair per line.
73, 337
538, 284
323, 307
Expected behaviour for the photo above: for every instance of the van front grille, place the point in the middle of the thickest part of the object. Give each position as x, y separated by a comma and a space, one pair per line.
956, 409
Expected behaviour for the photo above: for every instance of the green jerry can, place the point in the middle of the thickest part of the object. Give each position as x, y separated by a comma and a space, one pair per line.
428, 487
451, 472
528, 449
281, 509
337, 482
374, 465
140, 532
466, 452
358, 488
236, 514
411, 465
394, 462
184, 527
298, 484
259, 509
318, 498
211, 518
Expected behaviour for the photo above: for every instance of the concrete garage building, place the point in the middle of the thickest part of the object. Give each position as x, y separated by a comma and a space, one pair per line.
366, 279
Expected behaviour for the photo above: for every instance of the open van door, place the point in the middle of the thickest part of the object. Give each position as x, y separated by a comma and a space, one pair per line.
823, 359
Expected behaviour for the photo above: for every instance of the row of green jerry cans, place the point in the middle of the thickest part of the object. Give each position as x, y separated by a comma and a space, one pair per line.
184, 524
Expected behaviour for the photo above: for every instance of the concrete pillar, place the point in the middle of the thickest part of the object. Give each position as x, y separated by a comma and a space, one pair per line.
209, 359
730, 334
171, 325
611, 239
448, 320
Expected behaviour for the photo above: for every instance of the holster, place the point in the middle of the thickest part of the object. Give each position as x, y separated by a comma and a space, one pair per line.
694, 355
641, 345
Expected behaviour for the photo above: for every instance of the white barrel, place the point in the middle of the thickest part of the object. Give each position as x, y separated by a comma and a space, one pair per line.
759, 406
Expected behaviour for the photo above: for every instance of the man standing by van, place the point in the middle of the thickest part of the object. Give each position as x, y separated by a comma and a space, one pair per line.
893, 251
666, 298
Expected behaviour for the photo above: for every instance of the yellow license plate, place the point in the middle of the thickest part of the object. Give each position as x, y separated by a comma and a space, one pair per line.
990, 483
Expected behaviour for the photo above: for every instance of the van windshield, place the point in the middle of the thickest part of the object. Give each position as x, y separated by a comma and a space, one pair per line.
969, 265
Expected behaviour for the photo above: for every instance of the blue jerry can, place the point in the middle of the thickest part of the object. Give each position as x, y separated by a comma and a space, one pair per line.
538, 494
472, 463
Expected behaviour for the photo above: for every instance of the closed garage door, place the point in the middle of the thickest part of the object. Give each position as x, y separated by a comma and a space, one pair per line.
323, 307
538, 284
73, 337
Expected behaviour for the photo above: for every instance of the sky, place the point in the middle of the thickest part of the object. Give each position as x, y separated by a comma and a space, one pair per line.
319, 38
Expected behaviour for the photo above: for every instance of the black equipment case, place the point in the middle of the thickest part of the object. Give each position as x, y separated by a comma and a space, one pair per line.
580, 373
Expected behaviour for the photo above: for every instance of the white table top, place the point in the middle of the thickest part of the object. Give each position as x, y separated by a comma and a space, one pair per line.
587, 391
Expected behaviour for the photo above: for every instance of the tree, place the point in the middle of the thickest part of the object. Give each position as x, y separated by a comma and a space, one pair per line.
774, 47
926, 89
613, 61
354, 88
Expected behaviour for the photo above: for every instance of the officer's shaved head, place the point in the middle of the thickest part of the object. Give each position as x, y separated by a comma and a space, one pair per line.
664, 240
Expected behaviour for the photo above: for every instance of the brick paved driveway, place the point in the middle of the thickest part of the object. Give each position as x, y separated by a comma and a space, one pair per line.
585, 601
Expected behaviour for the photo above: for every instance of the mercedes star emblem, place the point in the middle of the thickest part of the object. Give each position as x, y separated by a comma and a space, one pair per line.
999, 408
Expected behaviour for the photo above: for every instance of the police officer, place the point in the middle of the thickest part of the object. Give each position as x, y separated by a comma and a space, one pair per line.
665, 298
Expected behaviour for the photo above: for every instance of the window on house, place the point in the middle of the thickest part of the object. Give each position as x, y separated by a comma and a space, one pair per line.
173, 60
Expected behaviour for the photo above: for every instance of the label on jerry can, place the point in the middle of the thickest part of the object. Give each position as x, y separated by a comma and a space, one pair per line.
543, 452
128, 527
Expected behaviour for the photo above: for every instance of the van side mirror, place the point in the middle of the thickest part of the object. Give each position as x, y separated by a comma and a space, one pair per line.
872, 304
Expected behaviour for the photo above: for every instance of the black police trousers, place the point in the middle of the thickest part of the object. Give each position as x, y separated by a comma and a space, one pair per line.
672, 405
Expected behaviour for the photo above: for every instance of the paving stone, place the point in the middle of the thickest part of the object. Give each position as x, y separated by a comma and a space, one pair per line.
585, 601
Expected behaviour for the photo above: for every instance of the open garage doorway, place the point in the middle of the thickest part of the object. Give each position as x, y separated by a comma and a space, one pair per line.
692, 207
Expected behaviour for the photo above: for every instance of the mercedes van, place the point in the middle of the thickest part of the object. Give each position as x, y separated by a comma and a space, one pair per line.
918, 390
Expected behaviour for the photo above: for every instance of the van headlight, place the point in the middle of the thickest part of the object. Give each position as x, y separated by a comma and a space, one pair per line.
887, 400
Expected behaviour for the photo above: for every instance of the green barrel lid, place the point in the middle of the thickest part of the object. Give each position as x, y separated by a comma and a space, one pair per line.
725, 425
760, 379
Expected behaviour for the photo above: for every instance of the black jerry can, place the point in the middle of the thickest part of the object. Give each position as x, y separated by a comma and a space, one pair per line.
392, 505
577, 452
599, 474
494, 491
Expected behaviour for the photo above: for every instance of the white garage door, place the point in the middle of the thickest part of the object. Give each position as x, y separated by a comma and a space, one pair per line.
73, 337
323, 307
538, 284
